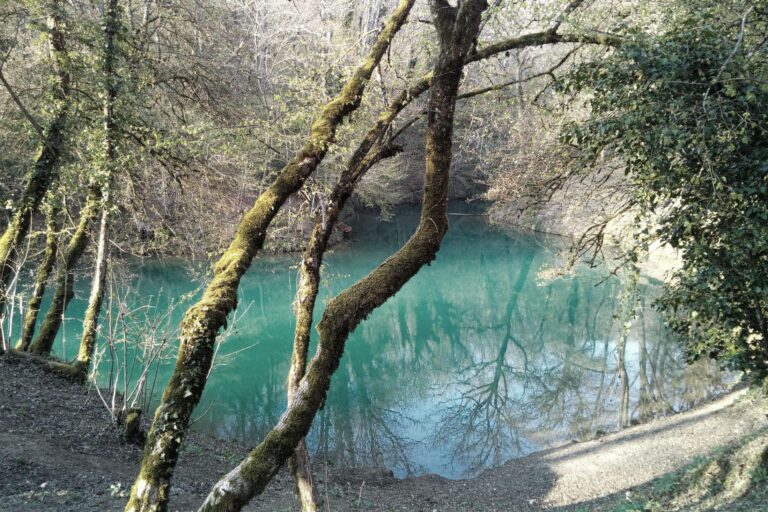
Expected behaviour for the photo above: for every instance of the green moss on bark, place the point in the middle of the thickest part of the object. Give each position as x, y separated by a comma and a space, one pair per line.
204, 320
353, 305
65, 277
41, 281
45, 167
43, 172
90, 322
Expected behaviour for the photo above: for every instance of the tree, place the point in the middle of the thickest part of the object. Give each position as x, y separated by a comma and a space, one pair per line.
167, 113
45, 166
683, 109
457, 28
112, 24
203, 321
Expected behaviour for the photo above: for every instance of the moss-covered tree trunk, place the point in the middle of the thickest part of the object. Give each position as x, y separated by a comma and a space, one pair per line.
204, 320
95, 300
370, 150
42, 275
457, 28
111, 21
45, 165
65, 275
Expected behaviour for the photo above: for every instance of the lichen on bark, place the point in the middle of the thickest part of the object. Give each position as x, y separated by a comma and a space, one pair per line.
111, 26
65, 275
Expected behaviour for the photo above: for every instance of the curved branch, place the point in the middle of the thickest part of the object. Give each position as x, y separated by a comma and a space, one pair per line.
20, 104
477, 92
575, 4
350, 307
204, 320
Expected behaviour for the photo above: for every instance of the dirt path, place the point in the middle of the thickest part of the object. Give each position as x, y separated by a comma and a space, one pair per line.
58, 452
633, 457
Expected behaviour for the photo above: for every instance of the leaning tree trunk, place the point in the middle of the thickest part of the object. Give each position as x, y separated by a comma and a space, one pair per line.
373, 148
220, 298
45, 167
370, 150
457, 28
41, 280
204, 320
91, 321
65, 276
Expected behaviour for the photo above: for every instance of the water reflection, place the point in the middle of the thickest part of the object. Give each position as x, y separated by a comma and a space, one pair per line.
472, 363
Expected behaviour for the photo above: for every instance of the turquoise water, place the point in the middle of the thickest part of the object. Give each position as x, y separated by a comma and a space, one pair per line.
476, 360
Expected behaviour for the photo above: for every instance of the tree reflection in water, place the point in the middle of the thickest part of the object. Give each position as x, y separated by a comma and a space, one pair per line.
545, 385
474, 362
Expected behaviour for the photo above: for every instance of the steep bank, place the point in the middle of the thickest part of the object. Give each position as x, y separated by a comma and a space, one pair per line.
59, 452
579, 209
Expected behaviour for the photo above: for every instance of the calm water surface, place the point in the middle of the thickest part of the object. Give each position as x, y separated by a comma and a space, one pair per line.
474, 362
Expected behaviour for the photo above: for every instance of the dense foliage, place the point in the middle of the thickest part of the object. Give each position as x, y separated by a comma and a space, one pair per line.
684, 110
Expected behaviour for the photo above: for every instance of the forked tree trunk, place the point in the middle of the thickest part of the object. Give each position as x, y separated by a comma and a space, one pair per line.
369, 151
41, 280
65, 276
457, 28
45, 166
204, 320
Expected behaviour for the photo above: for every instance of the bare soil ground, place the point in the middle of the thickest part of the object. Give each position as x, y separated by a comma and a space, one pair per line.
58, 451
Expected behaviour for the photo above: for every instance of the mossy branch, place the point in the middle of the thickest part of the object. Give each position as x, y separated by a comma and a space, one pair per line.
45, 167
204, 320
350, 307
111, 19
42, 275
65, 275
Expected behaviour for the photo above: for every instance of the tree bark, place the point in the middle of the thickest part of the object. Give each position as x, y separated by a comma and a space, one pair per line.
369, 151
204, 320
45, 167
300, 462
457, 28
301, 469
90, 323
65, 276
95, 300
42, 275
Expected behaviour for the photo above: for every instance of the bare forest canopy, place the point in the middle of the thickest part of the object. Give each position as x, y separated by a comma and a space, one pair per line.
218, 130
216, 97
